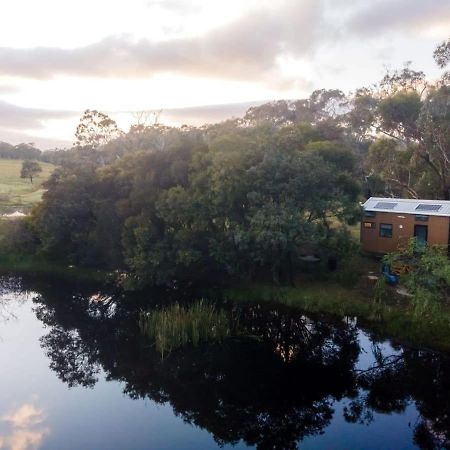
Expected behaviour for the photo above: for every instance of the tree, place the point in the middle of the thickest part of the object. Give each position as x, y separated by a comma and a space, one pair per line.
442, 54
30, 169
434, 126
65, 218
414, 115
394, 165
96, 129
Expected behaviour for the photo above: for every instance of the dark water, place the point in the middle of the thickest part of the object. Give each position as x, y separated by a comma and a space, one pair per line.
76, 374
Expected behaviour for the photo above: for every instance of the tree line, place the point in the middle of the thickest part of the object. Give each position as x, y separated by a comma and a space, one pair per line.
249, 195
27, 151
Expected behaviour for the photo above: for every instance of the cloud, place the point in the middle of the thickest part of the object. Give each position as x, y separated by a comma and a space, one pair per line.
25, 416
378, 16
199, 115
43, 143
15, 121
244, 49
176, 6
27, 431
17, 117
8, 89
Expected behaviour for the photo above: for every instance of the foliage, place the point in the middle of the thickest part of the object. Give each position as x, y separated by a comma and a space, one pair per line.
19, 151
415, 115
234, 202
428, 277
96, 129
399, 113
442, 54
177, 326
379, 291
17, 237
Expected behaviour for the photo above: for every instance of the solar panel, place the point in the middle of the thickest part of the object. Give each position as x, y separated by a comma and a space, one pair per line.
385, 205
425, 207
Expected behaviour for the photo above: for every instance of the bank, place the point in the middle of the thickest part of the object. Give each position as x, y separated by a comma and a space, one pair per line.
28, 265
391, 317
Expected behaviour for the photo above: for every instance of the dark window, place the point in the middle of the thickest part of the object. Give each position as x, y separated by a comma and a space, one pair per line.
427, 207
369, 225
421, 218
370, 213
386, 230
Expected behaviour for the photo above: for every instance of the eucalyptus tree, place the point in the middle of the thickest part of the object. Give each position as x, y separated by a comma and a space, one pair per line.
96, 129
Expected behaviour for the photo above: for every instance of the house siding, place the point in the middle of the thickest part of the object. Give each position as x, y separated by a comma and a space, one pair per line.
402, 231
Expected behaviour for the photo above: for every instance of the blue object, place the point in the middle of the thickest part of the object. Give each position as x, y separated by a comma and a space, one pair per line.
391, 278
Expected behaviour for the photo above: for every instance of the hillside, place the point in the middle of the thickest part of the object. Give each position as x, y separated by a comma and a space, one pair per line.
18, 194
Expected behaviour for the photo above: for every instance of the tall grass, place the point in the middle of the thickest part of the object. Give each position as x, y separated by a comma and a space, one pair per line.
177, 326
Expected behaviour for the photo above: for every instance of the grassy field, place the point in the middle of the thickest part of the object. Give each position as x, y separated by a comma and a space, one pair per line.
18, 194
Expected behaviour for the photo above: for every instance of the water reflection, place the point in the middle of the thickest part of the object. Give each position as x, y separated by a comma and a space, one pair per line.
276, 384
12, 295
26, 428
394, 381
270, 388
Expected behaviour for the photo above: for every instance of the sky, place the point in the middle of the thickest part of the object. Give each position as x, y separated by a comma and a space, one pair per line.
197, 61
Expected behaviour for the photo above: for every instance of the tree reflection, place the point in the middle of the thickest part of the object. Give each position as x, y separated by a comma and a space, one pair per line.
11, 297
271, 387
71, 357
413, 375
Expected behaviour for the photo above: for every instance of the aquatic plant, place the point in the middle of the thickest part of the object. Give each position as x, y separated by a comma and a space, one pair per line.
176, 326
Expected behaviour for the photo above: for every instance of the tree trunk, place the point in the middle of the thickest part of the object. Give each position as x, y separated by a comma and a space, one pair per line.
446, 193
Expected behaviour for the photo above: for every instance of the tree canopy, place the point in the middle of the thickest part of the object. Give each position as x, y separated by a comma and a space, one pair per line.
30, 169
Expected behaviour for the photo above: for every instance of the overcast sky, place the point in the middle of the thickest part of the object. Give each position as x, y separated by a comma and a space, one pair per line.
58, 58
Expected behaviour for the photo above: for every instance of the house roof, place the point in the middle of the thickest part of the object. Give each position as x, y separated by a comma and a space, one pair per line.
408, 206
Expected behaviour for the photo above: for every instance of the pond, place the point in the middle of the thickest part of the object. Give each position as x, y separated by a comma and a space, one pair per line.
77, 374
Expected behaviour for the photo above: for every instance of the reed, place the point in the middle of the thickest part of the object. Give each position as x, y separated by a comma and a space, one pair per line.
177, 326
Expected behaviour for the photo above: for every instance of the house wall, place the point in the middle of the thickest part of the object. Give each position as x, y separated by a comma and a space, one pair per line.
402, 231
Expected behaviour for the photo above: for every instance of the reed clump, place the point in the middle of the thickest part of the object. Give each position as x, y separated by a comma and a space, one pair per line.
177, 326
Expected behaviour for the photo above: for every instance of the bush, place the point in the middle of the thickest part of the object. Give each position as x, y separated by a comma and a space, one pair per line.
16, 238
427, 277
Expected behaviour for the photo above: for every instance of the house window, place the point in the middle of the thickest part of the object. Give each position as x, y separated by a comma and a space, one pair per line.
370, 213
421, 218
369, 224
386, 230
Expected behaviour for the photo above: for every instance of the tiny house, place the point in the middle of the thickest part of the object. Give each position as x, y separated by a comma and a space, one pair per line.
389, 223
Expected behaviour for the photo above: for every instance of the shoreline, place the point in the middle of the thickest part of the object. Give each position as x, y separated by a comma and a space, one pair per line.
392, 318
34, 267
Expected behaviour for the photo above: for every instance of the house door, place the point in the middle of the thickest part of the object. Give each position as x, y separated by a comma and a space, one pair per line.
421, 235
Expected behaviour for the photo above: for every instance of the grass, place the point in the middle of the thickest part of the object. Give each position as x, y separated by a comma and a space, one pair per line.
392, 317
19, 194
312, 296
177, 326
